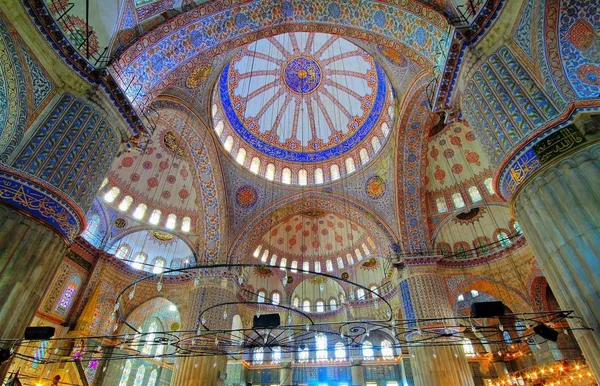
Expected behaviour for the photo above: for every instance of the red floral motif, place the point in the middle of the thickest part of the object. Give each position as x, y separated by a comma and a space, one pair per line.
184, 173
470, 136
457, 168
184, 193
316, 244
582, 34
472, 157
164, 165
434, 152
324, 232
135, 177
590, 74
152, 182
127, 162
171, 179
292, 242
274, 232
455, 140
166, 195
448, 153
147, 165
288, 228
439, 174
328, 246
338, 238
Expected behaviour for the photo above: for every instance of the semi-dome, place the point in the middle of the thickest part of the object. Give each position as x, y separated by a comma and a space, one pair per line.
303, 108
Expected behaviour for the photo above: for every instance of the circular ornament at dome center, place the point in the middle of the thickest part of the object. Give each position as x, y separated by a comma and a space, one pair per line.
302, 75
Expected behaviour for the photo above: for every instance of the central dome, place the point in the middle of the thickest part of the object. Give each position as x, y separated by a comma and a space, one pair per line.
292, 106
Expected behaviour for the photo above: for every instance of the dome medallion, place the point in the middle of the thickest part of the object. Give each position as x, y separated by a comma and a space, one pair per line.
303, 108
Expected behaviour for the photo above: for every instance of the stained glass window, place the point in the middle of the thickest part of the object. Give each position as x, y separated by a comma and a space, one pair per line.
468, 347
517, 227
138, 262
125, 373
458, 200
261, 296
147, 349
259, 355
171, 221
334, 171
350, 167
91, 230
152, 379
321, 345
241, 156
340, 262
367, 351
286, 176
296, 302
474, 194
364, 156
276, 355
275, 298
302, 177
255, 165
318, 176
320, 306
306, 306
112, 194
92, 367
332, 304
340, 351
139, 376
488, 185
39, 354
140, 211
294, 266
440, 202
125, 203
303, 355
387, 352
159, 265
503, 239
270, 172
155, 217
68, 294
360, 294
329, 265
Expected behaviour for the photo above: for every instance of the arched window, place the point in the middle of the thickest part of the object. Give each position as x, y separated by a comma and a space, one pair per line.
350, 167
364, 156
358, 254
270, 172
140, 211
350, 259
138, 261
332, 304
155, 217
385, 129
306, 266
317, 266
506, 337
517, 227
286, 176
219, 129
104, 183
468, 347
318, 176
340, 262
375, 290
275, 298
139, 376
458, 201
255, 165
440, 202
460, 298
276, 354
258, 356
112, 194
329, 265
387, 352
149, 338
503, 239
228, 144
321, 345
240, 158
68, 294
488, 185
365, 249
306, 306
261, 296
122, 252
125, 373
265, 256
376, 144
294, 266
303, 355
367, 351
159, 265
283, 263
320, 306
273, 259
186, 224
39, 354
334, 171
152, 379
125, 203
474, 194
474, 293
257, 251
171, 221
302, 177
360, 294
296, 302
340, 351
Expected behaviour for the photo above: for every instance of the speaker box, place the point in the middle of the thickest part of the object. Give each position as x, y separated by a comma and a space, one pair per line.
39, 333
4, 355
487, 309
266, 321
546, 332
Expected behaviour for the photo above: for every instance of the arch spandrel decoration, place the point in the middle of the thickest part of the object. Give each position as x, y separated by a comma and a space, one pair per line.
148, 63
259, 225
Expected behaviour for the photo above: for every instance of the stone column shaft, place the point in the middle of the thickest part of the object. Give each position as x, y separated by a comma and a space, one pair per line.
559, 211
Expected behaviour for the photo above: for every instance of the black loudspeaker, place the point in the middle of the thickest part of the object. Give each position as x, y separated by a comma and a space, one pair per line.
487, 309
39, 333
546, 332
4, 355
266, 321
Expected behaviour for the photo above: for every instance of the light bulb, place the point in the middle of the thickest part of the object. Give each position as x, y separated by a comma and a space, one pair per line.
196, 282
132, 294
214, 364
159, 286
224, 314
307, 327
240, 280
116, 306
203, 321
195, 365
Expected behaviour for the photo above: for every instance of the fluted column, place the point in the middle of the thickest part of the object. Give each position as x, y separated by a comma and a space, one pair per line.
559, 211
432, 366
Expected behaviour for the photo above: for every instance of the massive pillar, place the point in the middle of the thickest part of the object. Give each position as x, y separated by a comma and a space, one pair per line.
194, 369
559, 211
286, 373
46, 185
431, 366
357, 373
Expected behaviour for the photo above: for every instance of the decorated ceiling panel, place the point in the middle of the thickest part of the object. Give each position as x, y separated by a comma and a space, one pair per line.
299, 101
